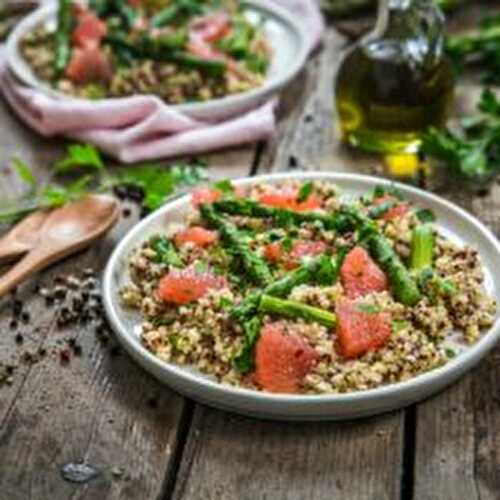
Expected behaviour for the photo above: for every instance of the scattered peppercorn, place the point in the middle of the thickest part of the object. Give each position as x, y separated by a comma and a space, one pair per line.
115, 351
27, 357
64, 356
60, 292
19, 338
25, 317
17, 307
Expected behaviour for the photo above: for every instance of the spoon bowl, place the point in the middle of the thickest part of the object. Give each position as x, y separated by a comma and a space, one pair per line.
65, 231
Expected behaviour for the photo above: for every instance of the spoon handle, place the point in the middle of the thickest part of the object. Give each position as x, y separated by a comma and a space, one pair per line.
9, 250
36, 260
29, 265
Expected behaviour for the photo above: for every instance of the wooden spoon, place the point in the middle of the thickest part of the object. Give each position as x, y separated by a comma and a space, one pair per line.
65, 231
23, 237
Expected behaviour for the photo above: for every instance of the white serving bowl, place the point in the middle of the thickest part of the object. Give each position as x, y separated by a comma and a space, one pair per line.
452, 221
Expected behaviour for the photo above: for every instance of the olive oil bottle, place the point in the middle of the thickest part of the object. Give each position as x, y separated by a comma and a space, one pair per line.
396, 82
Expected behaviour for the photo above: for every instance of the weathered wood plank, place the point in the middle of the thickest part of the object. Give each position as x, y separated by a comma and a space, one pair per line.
100, 408
229, 457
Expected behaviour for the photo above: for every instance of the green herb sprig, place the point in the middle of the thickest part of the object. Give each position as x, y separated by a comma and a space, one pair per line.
155, 182
472, 149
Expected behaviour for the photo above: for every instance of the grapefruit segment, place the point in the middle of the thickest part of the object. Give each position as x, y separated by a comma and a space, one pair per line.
205, 195
287, 198
303, 249
89, 31
187, 285
198, 235
89, 65
359, 331
399, 210
275, 253
361, 275
282, 360
211, 28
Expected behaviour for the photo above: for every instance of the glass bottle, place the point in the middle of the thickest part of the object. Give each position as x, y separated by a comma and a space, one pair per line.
396, 82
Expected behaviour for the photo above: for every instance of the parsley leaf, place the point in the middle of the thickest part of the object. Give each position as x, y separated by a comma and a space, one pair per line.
305, 191
24, 172
399, 325
78, 156
165, 252
53, 196
225, 186
157, 181
450, 353
472, 149
425, 215
368, 308
380, 191
287, 244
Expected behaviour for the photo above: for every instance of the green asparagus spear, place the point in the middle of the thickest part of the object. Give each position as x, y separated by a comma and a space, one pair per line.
342, 221
62, 36
421, 261
254, 265
244, 362
160, 46
165, 16
323, 267
100, 7
211, 66
166, 48
382, 209
422, 247
179, 8
293, 309
404, 287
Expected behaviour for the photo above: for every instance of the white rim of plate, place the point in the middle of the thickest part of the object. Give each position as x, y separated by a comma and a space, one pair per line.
484, 345
271, 86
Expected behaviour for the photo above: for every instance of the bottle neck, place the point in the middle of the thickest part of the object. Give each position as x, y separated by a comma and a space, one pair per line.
412, 19
405, 15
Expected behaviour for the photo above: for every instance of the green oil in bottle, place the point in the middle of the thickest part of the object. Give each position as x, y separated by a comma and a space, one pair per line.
396, 83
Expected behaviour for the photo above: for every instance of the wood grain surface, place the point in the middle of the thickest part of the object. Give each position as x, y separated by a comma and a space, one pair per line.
149, 443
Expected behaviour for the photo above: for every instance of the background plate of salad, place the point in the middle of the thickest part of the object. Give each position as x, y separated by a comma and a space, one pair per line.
205, 57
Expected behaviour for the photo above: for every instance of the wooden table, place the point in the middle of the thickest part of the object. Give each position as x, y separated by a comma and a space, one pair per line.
151, 443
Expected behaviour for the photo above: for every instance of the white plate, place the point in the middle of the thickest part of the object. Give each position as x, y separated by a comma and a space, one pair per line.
454, 222
284, 33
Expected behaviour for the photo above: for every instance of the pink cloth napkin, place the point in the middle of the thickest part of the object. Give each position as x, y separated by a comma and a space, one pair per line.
144, 127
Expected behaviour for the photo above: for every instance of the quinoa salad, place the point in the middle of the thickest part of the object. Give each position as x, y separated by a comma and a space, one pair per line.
293, 288
179, 50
